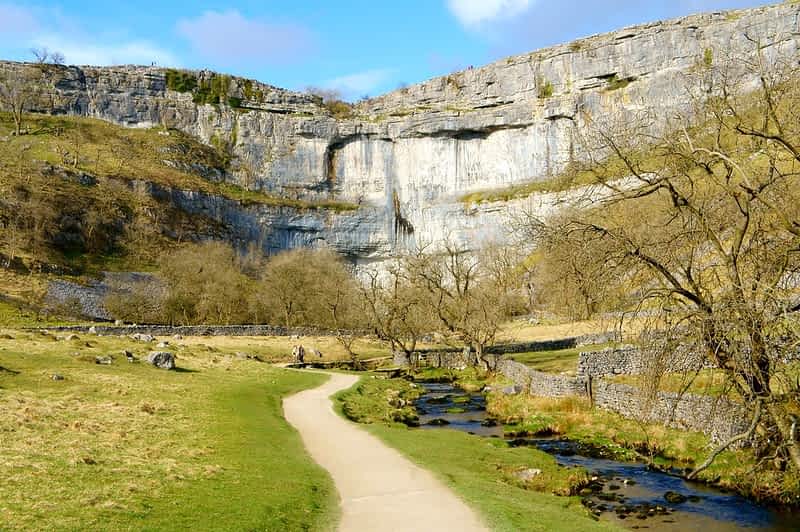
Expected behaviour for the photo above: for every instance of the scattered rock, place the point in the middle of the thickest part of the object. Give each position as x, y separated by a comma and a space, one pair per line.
629, 482
142, 337
674, 498
88, 460
162, 344
72, 337
528, 474
92, 330
162, 359
438, 422
119, 323
177, 337
57, 377
489, 423
106, 360
614, 487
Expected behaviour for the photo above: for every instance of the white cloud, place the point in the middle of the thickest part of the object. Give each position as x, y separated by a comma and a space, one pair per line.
23, 27
231, 38
473, 13
81, 52
360, 83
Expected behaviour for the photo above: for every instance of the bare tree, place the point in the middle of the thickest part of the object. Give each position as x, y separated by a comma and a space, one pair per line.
470, 294
705, 234
398, 310
19, 89
43, 56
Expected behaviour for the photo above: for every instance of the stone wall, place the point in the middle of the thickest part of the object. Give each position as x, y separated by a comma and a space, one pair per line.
716, 417
630, 360
195, 330
539, 383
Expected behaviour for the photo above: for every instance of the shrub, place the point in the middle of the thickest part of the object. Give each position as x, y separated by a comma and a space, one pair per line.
615, 83
180, 81
545, 88
708, 57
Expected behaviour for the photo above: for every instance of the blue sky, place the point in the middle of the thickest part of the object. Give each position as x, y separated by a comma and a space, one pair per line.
360, 47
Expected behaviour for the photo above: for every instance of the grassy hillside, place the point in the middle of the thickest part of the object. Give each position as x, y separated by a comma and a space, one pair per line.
67, 193
130, 447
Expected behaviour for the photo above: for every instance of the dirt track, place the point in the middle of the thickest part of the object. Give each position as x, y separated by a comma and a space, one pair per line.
379, 488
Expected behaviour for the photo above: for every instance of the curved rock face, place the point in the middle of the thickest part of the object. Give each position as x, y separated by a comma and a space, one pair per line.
406, 157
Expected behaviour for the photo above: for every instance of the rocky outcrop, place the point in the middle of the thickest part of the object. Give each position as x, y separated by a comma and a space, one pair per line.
406, 157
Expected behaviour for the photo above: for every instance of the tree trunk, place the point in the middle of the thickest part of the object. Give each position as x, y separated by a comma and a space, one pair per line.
785, 428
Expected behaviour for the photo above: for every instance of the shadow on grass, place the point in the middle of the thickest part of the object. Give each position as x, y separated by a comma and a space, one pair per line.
185, 370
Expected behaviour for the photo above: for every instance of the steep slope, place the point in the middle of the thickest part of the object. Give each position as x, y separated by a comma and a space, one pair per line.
406, 157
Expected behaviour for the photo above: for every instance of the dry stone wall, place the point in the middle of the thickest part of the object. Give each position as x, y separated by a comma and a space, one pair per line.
630, 360
716, 417
194, 330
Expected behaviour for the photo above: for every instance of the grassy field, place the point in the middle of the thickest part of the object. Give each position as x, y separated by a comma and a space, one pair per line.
279, 348
480, 470
130, 447
557, 361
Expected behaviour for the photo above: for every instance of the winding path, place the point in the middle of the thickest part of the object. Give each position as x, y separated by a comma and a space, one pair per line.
379, 488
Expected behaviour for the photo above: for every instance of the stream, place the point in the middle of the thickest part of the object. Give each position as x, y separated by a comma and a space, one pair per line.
627, 493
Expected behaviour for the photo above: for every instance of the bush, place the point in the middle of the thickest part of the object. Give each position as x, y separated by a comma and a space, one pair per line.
544, 88
180, 81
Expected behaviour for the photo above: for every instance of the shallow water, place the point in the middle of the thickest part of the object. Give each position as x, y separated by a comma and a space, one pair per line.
629, 494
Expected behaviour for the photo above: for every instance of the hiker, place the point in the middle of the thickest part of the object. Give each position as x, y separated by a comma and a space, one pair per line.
299, 354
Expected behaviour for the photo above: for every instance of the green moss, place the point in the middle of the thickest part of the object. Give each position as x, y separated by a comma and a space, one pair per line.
213, 90
708, 57
615, 83
544, 88
180, 80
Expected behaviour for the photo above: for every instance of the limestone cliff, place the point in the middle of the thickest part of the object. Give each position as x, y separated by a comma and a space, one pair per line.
406, 157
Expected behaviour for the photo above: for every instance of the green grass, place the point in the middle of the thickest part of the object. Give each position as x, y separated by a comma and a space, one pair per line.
557, 361
130, 447
481, 470
628, 439
614, 83
557, 183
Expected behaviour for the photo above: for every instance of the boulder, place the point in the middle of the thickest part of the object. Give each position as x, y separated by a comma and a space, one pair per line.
57, 377
511, 390
106, 360
72, 337
92, 330
142, 337
119, 323
674, 497
528, 474
162, 344
162, 359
